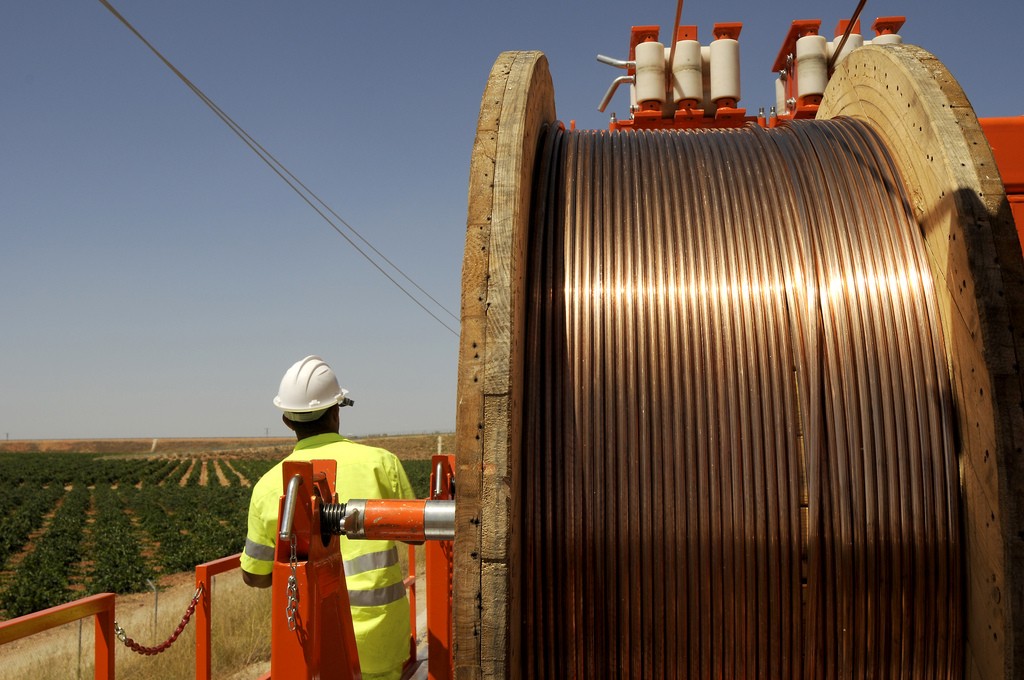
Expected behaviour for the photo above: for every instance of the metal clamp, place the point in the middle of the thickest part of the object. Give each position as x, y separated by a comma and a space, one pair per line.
288, 513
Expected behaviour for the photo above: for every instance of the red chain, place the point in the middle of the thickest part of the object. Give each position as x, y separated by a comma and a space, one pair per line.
150, 651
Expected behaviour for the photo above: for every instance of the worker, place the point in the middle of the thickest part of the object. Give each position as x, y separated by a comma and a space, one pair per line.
311, 400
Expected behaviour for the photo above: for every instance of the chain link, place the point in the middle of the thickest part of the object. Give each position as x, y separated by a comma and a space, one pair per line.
293, 587
150, 651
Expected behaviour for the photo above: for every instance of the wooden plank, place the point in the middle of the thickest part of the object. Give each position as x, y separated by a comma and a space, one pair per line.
496, 481
494, 628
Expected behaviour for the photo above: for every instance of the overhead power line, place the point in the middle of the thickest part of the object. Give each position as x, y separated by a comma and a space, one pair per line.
304, 192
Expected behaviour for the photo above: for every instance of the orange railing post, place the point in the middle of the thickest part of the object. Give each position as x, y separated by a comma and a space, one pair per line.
204, 638
439, 578
101, 606
103, 642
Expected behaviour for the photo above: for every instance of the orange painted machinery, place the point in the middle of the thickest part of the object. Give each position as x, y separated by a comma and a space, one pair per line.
701, 89
1006, 137
312, 634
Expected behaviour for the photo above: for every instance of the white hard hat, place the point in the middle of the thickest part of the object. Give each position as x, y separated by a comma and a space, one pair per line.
307, 389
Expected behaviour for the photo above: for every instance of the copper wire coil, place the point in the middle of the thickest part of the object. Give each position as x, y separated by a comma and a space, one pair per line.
737, 449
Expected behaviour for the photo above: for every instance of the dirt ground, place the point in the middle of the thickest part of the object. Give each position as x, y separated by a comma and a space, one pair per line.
143, 446
406, 447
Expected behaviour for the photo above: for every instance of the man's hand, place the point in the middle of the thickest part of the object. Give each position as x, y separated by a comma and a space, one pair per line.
257, 580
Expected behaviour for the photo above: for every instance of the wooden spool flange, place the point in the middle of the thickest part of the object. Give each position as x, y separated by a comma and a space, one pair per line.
517, 102
958, 198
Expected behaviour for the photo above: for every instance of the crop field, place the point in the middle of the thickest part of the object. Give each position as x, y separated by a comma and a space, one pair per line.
73, 524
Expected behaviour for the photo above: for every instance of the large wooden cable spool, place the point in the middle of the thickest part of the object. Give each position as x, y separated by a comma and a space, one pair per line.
571, 561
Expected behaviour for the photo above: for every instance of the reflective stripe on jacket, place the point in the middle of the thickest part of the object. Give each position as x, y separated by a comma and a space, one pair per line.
380, 610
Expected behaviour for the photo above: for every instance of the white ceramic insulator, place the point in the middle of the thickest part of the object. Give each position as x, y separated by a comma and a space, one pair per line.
705, 70
780, 96
887, 39
853, 41
811, 65
725, 69
650, 72
687, 77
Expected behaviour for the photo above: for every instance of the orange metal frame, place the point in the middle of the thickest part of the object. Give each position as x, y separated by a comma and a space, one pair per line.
651, 117
439, 578
785, 62
204, 637
101, 606
1006, 137
318, 641
204, 580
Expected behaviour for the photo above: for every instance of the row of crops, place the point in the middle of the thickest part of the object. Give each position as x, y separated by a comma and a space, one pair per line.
76, 524
37, 470
72, 524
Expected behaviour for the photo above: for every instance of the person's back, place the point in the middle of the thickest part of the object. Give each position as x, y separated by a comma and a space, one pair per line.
380, 609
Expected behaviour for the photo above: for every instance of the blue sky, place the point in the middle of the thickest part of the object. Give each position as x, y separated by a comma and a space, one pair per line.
157, 278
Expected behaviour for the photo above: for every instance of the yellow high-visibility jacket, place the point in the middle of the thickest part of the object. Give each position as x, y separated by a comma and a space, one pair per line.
380, 609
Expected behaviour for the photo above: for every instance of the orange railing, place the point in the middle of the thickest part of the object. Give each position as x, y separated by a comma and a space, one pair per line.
101, 606
204, 639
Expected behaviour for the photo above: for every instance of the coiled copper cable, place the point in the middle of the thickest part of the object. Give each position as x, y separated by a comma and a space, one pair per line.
737, 439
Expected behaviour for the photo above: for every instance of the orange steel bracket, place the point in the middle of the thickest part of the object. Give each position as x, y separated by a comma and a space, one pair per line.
637, 35
642, 34
1006, 137
726, 108
888, 25
730, 30
686, 33
439, 578
798, 29
805, 107
843, 23
319, 642
668, 117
